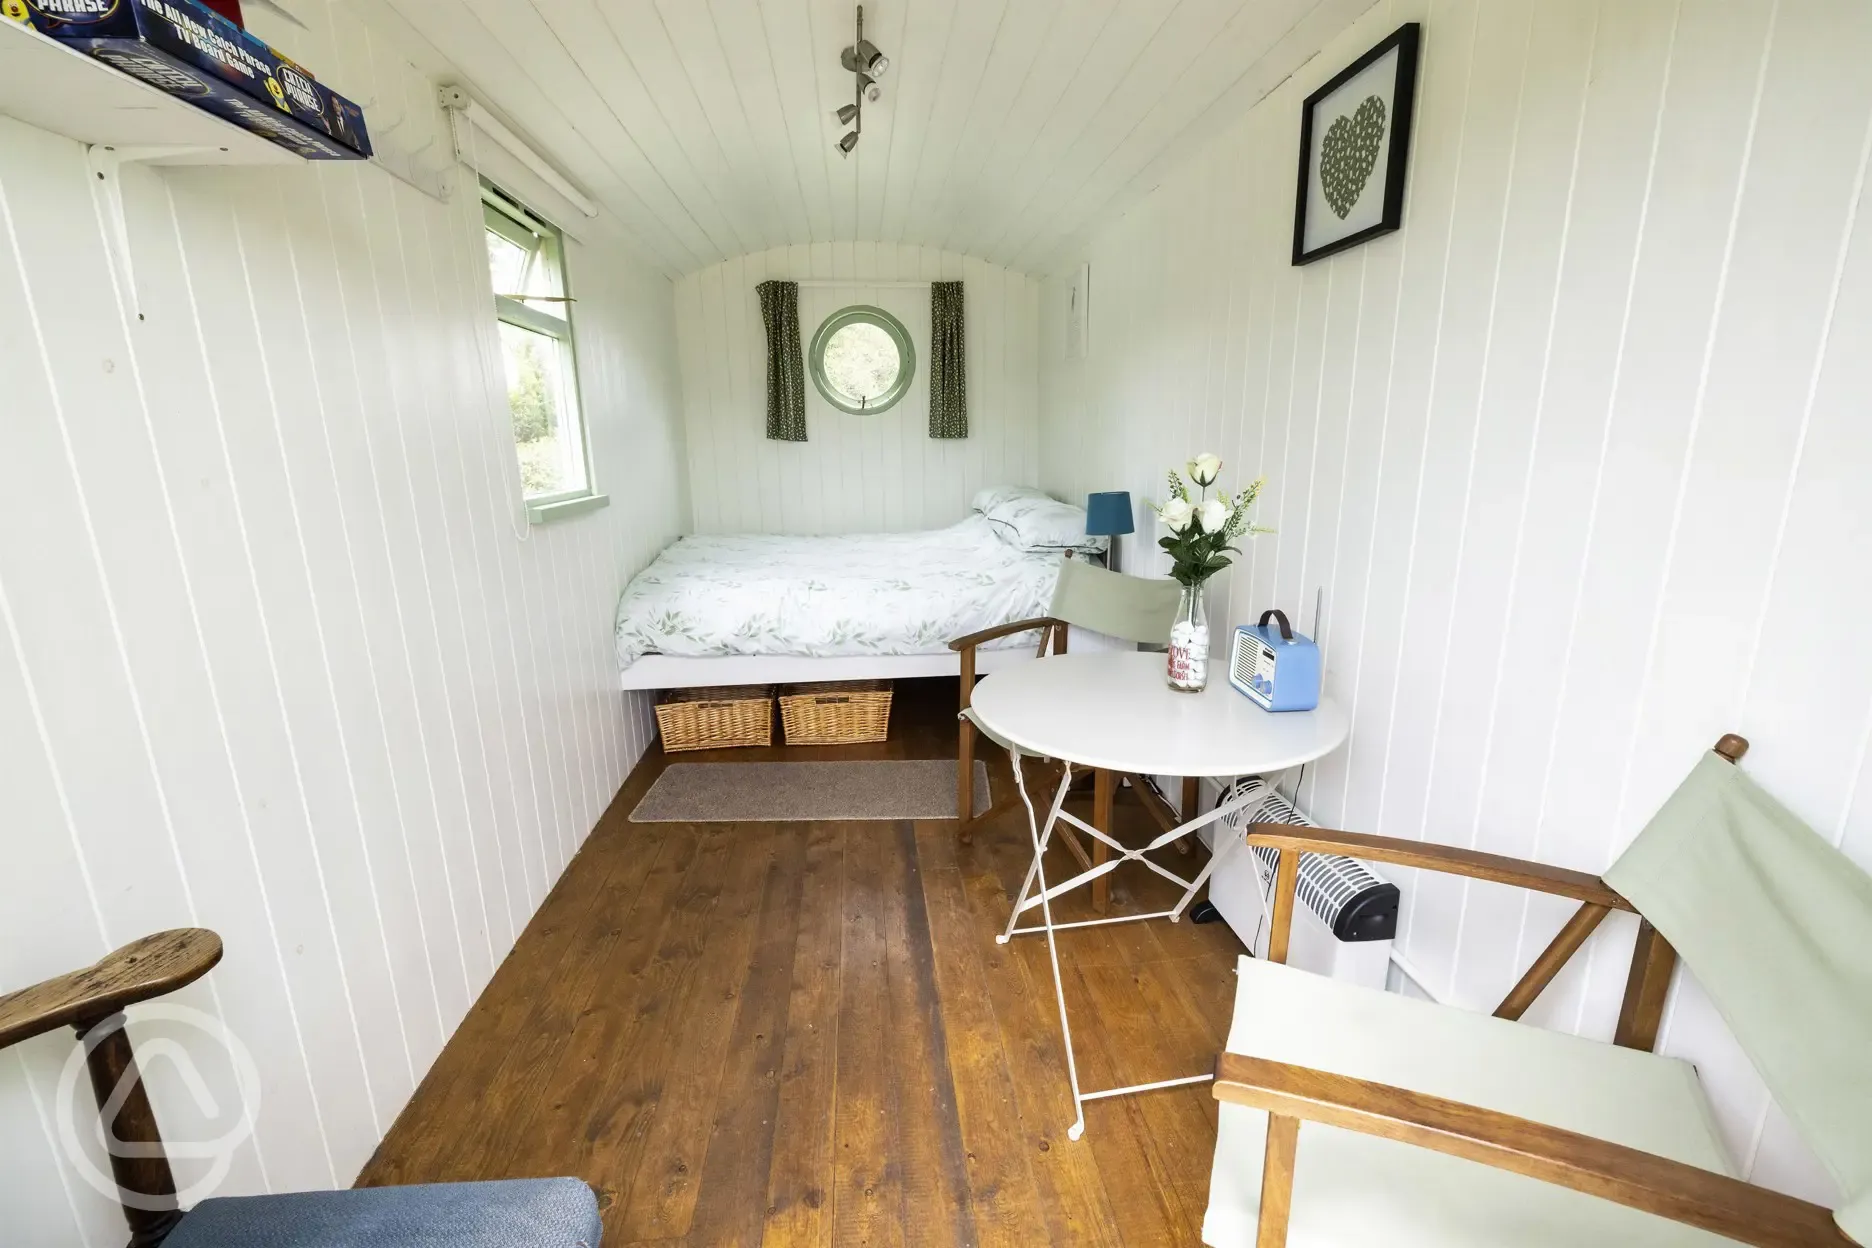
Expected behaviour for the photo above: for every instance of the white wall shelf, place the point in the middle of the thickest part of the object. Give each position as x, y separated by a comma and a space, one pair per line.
46, 84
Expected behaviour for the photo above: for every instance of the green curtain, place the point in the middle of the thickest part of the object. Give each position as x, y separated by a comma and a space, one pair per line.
948, 370
786, 364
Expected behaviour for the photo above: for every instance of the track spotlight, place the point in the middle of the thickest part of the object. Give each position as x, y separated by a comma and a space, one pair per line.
865, 63
864, 58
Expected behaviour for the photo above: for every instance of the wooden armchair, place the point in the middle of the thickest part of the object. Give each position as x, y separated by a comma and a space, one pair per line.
1613, 1144
536, 1213
1132, 608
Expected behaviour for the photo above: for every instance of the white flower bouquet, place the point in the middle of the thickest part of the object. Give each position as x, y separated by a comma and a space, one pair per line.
1203, 529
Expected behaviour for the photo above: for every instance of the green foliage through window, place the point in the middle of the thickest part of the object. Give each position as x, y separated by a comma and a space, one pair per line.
861, 359
527, 268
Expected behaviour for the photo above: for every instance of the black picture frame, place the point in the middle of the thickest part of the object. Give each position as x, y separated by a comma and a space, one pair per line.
1406, 39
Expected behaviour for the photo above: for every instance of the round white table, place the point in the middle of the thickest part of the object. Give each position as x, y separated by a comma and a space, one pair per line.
1114, 712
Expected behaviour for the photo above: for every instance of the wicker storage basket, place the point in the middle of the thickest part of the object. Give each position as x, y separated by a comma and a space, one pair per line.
836, 712
710, 719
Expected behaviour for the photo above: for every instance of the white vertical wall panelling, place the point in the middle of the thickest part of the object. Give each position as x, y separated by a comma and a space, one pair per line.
275, 660
1780, 293
296, 399
1381, 788
242, 420
491, 528
139, 881
1820, 521
47, 884
854, 473
1617, 146
1703, 131
341, 485
115, 464
401, 443
41, 659
468, 593
1439, 544
369, 481
1570, 454
1535, 230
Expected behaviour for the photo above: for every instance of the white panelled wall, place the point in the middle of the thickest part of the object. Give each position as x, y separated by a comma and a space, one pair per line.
853, 474
278, 656
1577, 456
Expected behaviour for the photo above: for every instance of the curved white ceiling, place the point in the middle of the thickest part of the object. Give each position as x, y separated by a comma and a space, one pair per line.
1006, 127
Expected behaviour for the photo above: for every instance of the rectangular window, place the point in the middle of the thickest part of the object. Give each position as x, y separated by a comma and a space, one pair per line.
526, 260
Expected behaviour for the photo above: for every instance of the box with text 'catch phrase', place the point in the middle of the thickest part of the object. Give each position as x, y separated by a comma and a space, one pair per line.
192, 52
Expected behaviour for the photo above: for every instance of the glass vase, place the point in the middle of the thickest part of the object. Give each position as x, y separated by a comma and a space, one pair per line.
1188, 668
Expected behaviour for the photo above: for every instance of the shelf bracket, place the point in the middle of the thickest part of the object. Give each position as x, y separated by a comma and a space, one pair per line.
105, 163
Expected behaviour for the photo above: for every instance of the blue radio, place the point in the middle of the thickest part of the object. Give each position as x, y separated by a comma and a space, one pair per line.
1277, 668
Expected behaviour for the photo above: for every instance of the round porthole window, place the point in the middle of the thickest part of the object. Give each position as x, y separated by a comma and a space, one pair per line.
862, 360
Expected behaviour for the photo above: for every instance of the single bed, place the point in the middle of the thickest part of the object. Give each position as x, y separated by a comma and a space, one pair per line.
749, 609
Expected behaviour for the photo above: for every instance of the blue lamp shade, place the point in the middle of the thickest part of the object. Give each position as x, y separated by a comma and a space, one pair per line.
1109, 513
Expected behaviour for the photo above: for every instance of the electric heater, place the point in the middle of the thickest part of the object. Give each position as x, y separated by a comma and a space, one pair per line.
1346, 917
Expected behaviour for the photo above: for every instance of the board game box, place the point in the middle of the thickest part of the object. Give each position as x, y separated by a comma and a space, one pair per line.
192, 52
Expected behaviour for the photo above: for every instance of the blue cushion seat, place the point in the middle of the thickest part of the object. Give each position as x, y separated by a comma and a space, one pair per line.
513, 1213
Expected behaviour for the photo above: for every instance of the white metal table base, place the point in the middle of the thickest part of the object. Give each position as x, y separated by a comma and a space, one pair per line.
1028, 899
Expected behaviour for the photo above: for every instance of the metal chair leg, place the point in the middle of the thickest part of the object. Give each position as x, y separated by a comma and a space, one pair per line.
1046, 911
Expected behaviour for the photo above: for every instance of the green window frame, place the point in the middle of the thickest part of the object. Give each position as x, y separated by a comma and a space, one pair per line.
541, 304
862, 314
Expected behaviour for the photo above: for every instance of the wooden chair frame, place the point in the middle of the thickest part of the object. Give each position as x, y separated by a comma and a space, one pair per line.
81, 1000
1104, 783
1291, 1094
1051, 630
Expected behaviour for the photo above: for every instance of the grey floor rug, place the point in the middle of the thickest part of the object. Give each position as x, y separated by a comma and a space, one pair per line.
786, 792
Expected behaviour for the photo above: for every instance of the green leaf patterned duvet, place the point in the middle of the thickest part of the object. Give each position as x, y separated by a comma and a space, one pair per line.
873, 593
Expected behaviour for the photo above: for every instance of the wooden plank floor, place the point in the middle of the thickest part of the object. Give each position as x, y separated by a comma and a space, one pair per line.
805, 1033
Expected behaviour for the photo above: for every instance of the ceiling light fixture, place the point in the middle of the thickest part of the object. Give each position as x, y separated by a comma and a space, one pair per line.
866, 65
864, 58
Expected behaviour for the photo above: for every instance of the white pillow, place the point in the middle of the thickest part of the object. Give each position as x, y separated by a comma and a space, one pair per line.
987, 500
1036, 522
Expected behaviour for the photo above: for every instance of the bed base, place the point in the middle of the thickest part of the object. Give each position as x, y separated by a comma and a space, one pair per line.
667, 671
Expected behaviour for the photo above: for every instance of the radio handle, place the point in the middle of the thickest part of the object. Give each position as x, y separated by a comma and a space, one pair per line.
1275, 613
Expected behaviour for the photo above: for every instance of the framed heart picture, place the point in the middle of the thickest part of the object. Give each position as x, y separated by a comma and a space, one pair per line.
1354, 142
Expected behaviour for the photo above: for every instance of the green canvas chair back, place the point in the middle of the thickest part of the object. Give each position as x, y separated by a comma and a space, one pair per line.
1131, 607
1777, 925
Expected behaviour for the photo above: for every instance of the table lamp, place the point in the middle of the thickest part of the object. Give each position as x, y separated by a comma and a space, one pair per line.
1108, 514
